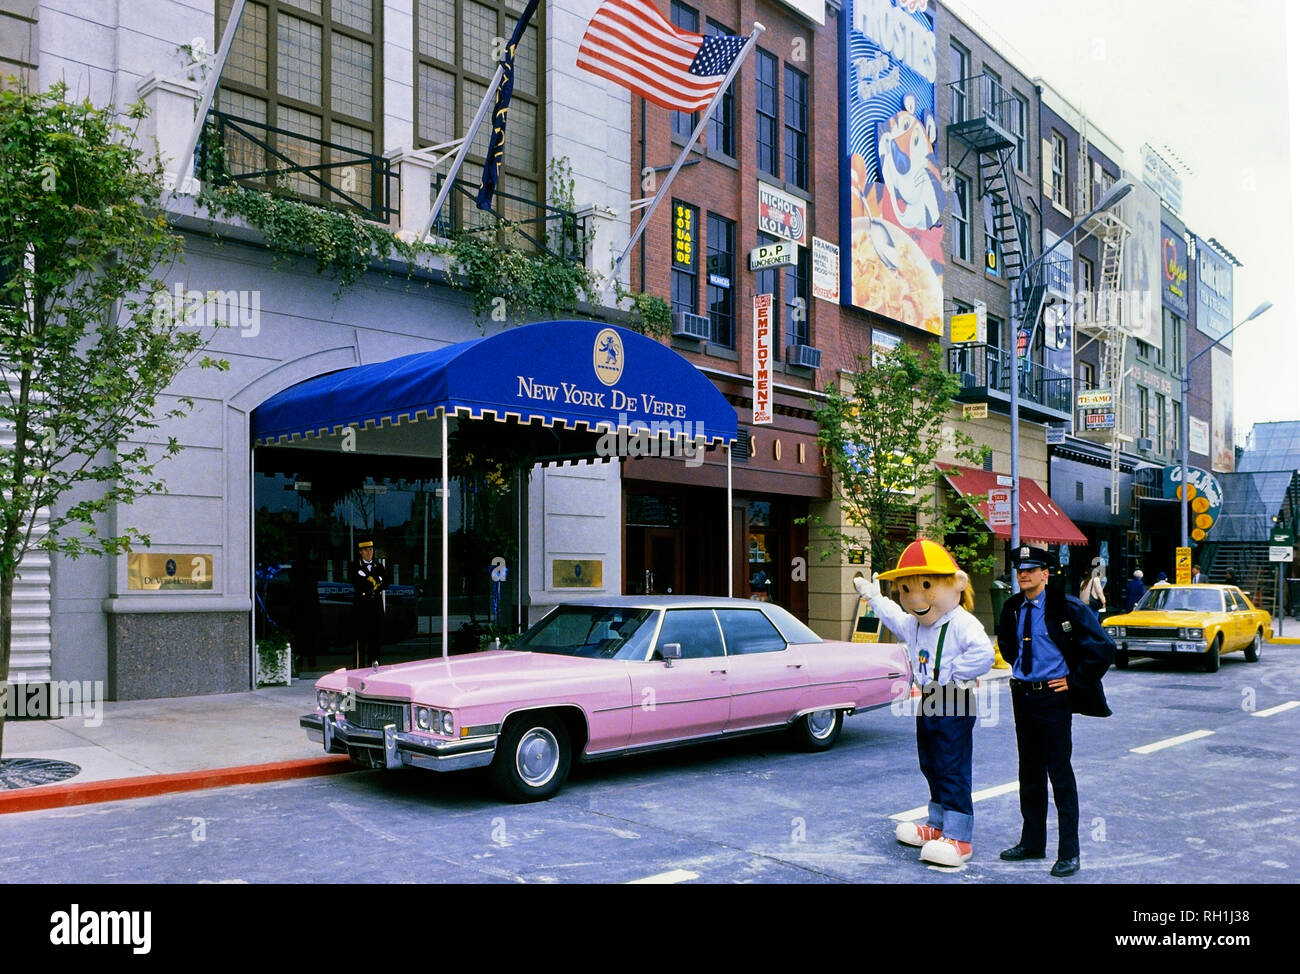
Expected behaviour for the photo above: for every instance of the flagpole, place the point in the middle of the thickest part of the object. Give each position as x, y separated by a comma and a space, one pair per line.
699, 130
186, 159
464, 149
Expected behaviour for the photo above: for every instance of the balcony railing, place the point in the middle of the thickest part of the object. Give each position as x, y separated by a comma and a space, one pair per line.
251, 153
543, 227
985, 368
983, 113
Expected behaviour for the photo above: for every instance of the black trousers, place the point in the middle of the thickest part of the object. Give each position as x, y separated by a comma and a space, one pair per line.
1044, 745
369, 620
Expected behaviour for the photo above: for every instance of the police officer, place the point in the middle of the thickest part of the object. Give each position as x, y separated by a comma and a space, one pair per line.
369, 579
1058, 653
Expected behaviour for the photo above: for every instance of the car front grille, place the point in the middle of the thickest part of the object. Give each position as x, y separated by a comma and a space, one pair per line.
377, 714
1151, 633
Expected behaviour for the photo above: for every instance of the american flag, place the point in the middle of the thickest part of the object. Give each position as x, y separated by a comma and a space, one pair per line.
630, 43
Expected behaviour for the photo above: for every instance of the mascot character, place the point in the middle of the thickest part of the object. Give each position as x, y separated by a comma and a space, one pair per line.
947, 650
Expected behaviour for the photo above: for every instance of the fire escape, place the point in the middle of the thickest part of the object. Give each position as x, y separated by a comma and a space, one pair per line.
981, 120
1102, 315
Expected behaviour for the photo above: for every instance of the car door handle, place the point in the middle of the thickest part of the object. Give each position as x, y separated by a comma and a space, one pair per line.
794, 666
717, 671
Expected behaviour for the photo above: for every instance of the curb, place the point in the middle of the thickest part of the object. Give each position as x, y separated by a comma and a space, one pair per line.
145, 786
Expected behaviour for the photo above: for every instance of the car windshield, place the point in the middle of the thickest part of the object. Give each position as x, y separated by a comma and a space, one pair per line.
1174, 599
594, 631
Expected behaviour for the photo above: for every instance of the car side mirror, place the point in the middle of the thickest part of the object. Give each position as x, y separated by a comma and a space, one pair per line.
670, 652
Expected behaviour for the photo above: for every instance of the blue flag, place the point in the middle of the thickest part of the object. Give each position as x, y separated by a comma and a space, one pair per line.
497, 145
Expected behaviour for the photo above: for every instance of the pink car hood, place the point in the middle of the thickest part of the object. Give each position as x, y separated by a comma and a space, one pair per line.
461, 680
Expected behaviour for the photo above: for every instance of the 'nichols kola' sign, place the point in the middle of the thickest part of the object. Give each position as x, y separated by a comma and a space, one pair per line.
762, 358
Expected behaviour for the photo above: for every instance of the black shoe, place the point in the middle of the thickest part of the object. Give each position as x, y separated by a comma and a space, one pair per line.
1066, 867
1018, 852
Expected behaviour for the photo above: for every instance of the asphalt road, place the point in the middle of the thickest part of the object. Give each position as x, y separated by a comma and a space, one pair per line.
1221, 807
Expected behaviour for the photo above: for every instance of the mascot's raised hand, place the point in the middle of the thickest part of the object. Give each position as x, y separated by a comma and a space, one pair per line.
868, 588
948, 650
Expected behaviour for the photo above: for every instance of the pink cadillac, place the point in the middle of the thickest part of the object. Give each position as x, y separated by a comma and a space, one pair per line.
601, 679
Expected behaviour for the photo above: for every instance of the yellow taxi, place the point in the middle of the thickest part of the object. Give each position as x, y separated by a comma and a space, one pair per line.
1178, 620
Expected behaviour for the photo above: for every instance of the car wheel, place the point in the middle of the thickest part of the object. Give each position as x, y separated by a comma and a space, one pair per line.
1121, 660
1211, 661
532, 759
1252, 651
817, 731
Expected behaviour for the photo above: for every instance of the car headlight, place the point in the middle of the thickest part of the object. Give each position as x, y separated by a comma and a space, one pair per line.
1117, 631
423, 718
1195, 634
448, 725
322, 700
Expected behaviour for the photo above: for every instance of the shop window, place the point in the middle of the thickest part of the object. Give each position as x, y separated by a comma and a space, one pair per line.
762, 553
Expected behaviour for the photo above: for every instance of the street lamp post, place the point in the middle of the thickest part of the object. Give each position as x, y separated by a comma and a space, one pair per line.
1184, 432
1116, 193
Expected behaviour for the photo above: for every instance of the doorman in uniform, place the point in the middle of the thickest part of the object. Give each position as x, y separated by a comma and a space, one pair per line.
369, 579
1058, 653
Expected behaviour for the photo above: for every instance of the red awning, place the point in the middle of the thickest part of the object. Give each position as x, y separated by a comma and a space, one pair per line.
1041, 521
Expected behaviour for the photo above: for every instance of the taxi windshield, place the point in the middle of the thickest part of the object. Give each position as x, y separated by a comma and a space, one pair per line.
592, 631
1174, 599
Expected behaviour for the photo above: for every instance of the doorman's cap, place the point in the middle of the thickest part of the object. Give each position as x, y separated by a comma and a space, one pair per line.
922, 558
365, 544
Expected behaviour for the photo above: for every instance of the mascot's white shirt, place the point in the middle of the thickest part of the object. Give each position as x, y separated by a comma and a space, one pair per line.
967, 650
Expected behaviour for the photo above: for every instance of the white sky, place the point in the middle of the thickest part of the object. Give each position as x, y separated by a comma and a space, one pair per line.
1208, 78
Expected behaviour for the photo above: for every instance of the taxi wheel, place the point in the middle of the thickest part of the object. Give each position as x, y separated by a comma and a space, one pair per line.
1121, 660
1252, 651
817, 731
1211, 660
532, 758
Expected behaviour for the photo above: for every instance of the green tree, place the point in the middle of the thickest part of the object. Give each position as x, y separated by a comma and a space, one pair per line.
880, 439
88, 339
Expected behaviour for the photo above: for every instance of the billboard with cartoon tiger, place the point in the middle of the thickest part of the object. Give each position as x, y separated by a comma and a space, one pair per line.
892, 202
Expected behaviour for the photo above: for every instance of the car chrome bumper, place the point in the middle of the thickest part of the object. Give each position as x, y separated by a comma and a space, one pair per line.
1162, 647
391, 748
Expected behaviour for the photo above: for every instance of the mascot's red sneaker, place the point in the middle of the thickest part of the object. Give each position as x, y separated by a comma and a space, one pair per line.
946, 852
909, 833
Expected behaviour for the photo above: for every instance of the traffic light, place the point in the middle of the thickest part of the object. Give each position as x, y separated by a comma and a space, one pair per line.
1200, 517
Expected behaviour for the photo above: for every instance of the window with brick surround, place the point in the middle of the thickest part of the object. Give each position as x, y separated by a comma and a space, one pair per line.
796, 127
684, 246
765, 95
720, 267
686, 18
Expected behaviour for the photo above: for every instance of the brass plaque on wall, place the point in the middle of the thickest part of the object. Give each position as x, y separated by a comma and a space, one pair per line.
154, 572
577, 574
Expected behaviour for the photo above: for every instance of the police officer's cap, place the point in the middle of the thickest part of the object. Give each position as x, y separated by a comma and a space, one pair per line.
1028, 556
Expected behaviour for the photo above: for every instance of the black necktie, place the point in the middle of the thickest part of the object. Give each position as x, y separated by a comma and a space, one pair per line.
1026, 643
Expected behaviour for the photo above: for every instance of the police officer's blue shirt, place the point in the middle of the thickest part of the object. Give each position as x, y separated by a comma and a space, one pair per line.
1048, 663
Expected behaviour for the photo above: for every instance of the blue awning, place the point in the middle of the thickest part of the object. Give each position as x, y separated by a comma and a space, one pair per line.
575, 374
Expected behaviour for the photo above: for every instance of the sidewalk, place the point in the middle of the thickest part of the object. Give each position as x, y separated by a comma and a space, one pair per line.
145, 747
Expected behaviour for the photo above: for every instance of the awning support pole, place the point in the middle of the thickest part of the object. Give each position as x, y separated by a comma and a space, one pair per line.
731, 543
446, 504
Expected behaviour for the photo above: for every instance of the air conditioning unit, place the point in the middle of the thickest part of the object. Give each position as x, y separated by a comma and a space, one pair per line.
687, 325
805, 355
1146, 443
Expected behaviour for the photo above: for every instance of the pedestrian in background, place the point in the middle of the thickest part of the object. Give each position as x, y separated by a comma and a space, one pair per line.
1135, 590
1197, 577
1230, 578
1093, 592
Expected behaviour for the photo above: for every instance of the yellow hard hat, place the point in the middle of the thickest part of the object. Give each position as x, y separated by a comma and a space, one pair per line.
923, 557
